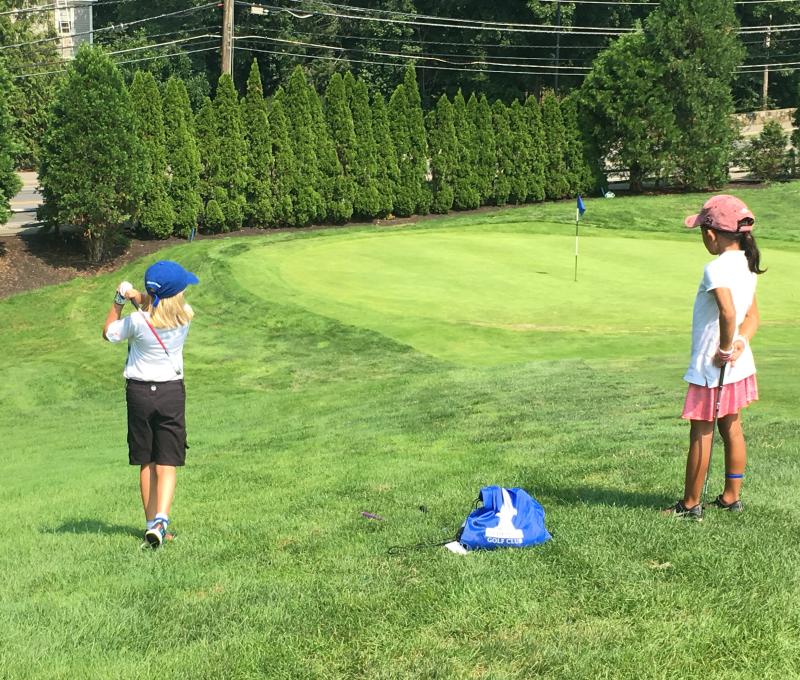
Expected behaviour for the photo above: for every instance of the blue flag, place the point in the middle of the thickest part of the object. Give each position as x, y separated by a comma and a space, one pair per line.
581, 206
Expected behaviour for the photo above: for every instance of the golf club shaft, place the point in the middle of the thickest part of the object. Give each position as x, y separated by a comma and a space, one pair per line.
714, 430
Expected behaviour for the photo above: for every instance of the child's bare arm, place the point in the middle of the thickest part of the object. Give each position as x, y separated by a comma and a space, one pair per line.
727, 317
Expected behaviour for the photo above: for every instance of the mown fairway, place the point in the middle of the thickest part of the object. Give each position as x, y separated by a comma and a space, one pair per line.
389, 370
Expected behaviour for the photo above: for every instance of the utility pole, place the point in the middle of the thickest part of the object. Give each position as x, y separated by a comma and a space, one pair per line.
558, 40
765, 90
227, 36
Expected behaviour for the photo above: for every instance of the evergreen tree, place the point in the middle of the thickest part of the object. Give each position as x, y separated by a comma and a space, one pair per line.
367, 199
443, 148
556, 184
765, 155
205, 125
183, 159
536, 154
92, 169
697, 49
285, 180
629, 114
520, 172
388, 173
406, 190
506, 152
28, 100
418, 139
579, 173
9, 182
213, 217
258, 207
154, 213
466, 195
233, 172
308, 203
342, 135
486, 158
408, 130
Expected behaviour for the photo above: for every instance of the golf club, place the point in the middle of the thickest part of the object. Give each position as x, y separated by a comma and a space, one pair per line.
713, 432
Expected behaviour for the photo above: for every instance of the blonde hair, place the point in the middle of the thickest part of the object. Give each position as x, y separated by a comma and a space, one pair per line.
171, 312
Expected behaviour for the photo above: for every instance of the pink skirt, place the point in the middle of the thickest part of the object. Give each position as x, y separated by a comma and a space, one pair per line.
701, 401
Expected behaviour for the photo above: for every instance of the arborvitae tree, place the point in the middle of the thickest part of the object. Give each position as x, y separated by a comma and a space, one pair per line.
388, 173
183, 159
418, 138
506, 153
258, 208
443, 148
92, 167
579, 173
367, 199
154, 213
308, 203
342, 135
233, 172
466, 195
697, 46
205, 125
537, 153
556, 184
486, 159
285, 181
408, 129
9, 182
213, 217
406, 191
519, 175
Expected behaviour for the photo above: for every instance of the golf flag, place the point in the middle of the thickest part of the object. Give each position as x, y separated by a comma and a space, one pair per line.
581, 208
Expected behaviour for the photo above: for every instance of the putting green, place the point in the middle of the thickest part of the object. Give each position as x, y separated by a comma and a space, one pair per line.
490, 297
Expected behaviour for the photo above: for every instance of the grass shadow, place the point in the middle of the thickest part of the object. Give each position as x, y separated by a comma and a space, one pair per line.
93, 526
590, 495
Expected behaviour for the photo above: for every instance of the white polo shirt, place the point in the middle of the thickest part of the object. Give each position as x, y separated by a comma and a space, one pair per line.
729, 270
147, 360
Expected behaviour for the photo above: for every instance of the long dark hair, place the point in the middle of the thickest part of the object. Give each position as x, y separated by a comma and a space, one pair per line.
748, 243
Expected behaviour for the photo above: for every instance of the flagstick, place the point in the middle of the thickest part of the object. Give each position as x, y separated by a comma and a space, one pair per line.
577, 218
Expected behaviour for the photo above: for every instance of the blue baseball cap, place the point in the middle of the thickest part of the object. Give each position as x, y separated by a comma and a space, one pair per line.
165, 279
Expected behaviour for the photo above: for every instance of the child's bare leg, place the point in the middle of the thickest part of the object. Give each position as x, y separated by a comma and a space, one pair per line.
700, 435
730, 427
165, 489
148, 485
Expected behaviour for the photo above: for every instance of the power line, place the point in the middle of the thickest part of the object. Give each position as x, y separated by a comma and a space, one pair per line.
504, 27
112, 27
479, 22
476, 60
475, 25
416, 42
386, 63
137, 48
118, 63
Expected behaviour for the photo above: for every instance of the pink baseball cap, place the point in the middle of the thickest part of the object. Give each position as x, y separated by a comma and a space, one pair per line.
725, 213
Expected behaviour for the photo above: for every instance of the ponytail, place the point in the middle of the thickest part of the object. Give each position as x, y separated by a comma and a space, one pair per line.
748, 244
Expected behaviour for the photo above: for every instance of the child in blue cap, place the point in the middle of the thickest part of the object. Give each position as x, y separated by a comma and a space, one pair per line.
155, 392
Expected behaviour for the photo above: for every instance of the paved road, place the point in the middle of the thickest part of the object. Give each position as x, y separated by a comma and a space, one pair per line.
24, 206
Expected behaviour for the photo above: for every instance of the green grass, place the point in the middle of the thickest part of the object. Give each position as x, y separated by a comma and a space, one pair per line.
381, 370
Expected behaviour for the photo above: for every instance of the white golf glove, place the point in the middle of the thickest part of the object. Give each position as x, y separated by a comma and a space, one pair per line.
124, 287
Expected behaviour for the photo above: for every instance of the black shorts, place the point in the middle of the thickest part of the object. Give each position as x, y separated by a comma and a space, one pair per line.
156, 422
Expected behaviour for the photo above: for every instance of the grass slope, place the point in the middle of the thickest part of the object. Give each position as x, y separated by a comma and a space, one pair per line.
309, 403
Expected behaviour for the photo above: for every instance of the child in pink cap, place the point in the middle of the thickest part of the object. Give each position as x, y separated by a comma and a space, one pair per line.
724, 320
